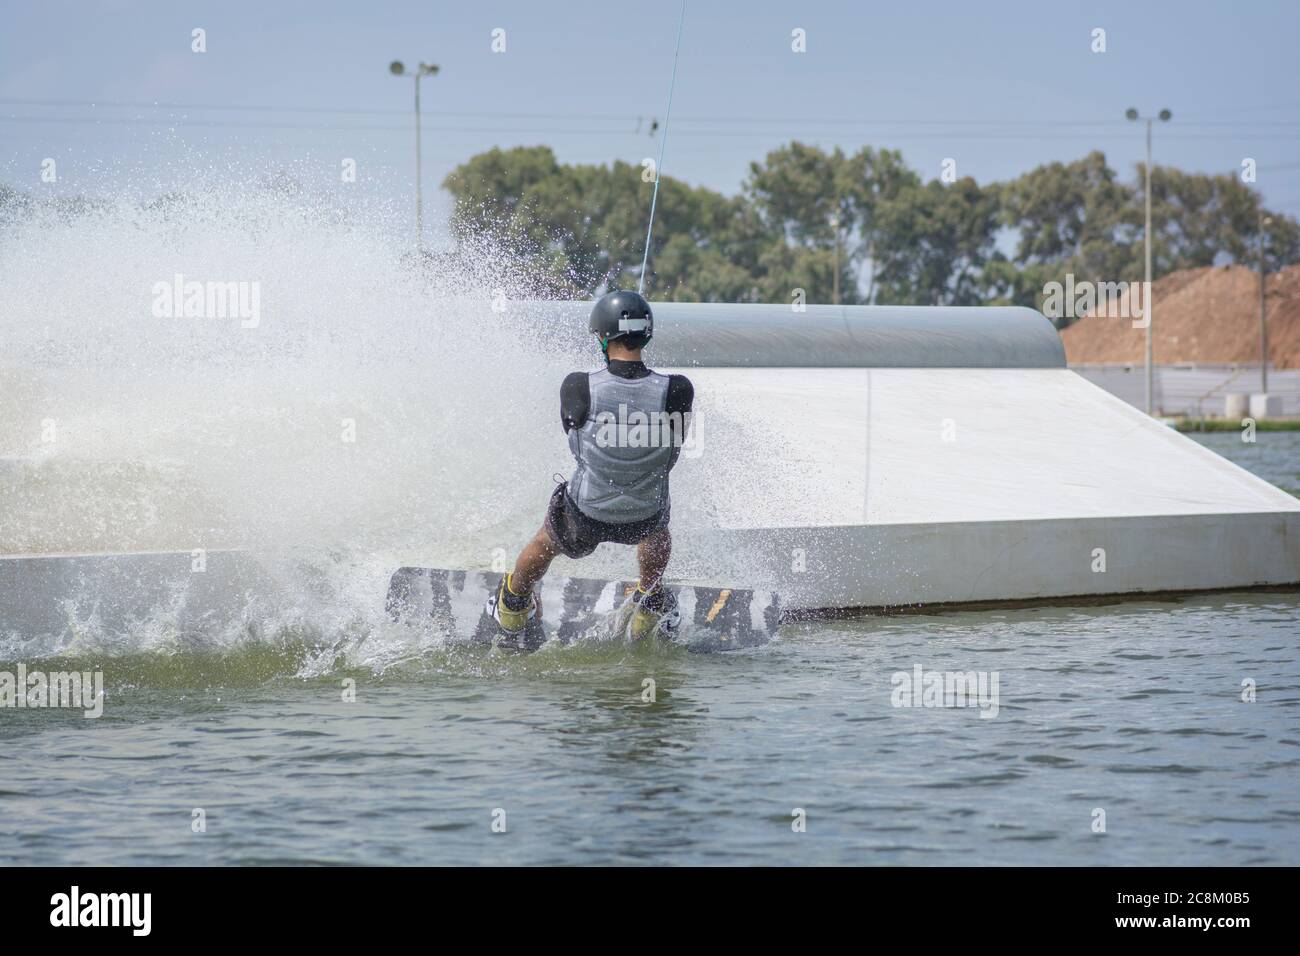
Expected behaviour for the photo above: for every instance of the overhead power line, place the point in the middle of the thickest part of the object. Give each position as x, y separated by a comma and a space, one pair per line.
627, 118
804, 130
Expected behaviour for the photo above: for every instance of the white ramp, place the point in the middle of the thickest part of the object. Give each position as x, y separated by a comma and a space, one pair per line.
896, 486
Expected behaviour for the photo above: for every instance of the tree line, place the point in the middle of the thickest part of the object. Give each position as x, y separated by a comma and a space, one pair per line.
857, 228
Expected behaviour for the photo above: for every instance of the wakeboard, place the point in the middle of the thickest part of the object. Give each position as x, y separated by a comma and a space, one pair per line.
576, 609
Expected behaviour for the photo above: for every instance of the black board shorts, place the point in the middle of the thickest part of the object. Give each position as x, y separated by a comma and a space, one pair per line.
576, 534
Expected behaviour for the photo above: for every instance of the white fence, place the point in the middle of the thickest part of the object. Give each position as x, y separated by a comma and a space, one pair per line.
1194, 390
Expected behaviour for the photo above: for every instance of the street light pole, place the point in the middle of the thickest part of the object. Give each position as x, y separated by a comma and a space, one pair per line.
424, 69
1146, 235
835, 278
1164, 116
419, 174
1263, 324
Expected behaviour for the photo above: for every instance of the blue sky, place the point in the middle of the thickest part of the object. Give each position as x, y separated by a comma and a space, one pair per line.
1000, 87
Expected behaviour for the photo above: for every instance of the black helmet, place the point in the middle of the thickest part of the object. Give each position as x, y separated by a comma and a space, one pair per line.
622, 315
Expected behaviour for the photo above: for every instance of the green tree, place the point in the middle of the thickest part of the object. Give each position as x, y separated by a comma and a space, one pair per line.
587, 224
858, 227
825, 202
1203, 220
937, 243
1069, 218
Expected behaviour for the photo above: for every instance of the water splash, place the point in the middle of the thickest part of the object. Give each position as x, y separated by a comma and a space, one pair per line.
381, 405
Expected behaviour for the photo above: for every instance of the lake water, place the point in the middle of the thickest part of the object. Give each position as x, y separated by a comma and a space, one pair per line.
1131, 713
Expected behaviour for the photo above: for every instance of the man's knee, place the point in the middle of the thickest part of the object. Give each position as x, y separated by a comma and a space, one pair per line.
543, 541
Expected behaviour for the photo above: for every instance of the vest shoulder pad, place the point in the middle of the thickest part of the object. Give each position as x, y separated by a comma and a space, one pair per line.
681, 395
575, 400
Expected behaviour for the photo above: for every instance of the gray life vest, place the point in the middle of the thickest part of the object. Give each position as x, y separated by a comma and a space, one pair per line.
624, 449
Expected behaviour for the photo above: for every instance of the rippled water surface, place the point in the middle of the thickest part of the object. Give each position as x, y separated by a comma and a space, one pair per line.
1132, 709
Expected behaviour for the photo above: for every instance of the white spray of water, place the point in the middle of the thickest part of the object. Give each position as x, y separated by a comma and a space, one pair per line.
376, 410
364, 407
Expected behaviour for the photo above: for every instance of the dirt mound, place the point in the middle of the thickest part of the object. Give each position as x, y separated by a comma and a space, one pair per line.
1205, 315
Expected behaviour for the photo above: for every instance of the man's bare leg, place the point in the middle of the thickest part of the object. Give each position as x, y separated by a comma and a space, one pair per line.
652, 605
532, 563
652, 555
